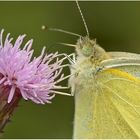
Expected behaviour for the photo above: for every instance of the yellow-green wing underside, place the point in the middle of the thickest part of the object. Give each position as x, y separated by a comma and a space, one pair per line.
110, 108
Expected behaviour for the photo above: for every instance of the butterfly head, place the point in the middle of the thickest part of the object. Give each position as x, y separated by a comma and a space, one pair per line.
85, 46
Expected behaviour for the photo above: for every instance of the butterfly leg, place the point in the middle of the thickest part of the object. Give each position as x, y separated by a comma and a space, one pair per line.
71, 60
74, 57
73, 71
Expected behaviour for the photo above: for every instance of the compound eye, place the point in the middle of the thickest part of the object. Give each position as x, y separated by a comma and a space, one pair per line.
92, 57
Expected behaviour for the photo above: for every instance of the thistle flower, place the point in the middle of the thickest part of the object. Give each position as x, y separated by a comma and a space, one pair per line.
23, 76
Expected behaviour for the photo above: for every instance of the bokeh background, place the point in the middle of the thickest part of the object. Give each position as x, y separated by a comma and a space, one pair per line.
116, 25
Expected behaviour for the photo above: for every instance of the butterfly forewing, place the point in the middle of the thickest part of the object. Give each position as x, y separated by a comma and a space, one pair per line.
121, 93
109, 104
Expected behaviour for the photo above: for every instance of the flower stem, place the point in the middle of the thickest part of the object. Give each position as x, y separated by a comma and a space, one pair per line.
6, 108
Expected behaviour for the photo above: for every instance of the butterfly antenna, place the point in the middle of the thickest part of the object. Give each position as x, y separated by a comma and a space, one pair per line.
66, 44
60, 30
82, 16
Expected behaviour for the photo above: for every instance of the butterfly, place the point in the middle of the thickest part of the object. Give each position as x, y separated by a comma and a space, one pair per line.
106, 86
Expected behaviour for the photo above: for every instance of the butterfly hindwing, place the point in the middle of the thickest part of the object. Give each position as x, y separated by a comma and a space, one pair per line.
123, 54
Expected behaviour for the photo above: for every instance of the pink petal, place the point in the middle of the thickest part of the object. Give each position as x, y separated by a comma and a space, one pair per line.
24, 95
12, 91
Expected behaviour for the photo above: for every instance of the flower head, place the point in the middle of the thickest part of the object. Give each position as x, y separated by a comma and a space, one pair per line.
25, 76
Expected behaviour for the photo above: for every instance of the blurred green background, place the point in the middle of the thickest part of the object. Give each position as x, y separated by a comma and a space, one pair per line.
116, 25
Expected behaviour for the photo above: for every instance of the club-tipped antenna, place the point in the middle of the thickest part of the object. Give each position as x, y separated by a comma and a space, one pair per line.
60, 30
82, 16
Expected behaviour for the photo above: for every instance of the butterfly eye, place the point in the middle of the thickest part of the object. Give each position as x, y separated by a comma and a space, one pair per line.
92, 57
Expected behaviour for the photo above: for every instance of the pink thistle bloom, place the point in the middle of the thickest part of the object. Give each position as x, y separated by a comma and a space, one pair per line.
27, 77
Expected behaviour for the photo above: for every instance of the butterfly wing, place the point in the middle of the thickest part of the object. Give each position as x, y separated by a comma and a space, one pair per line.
108, 121
120, 92
128, 61
123, 54
109, 108
121, 88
